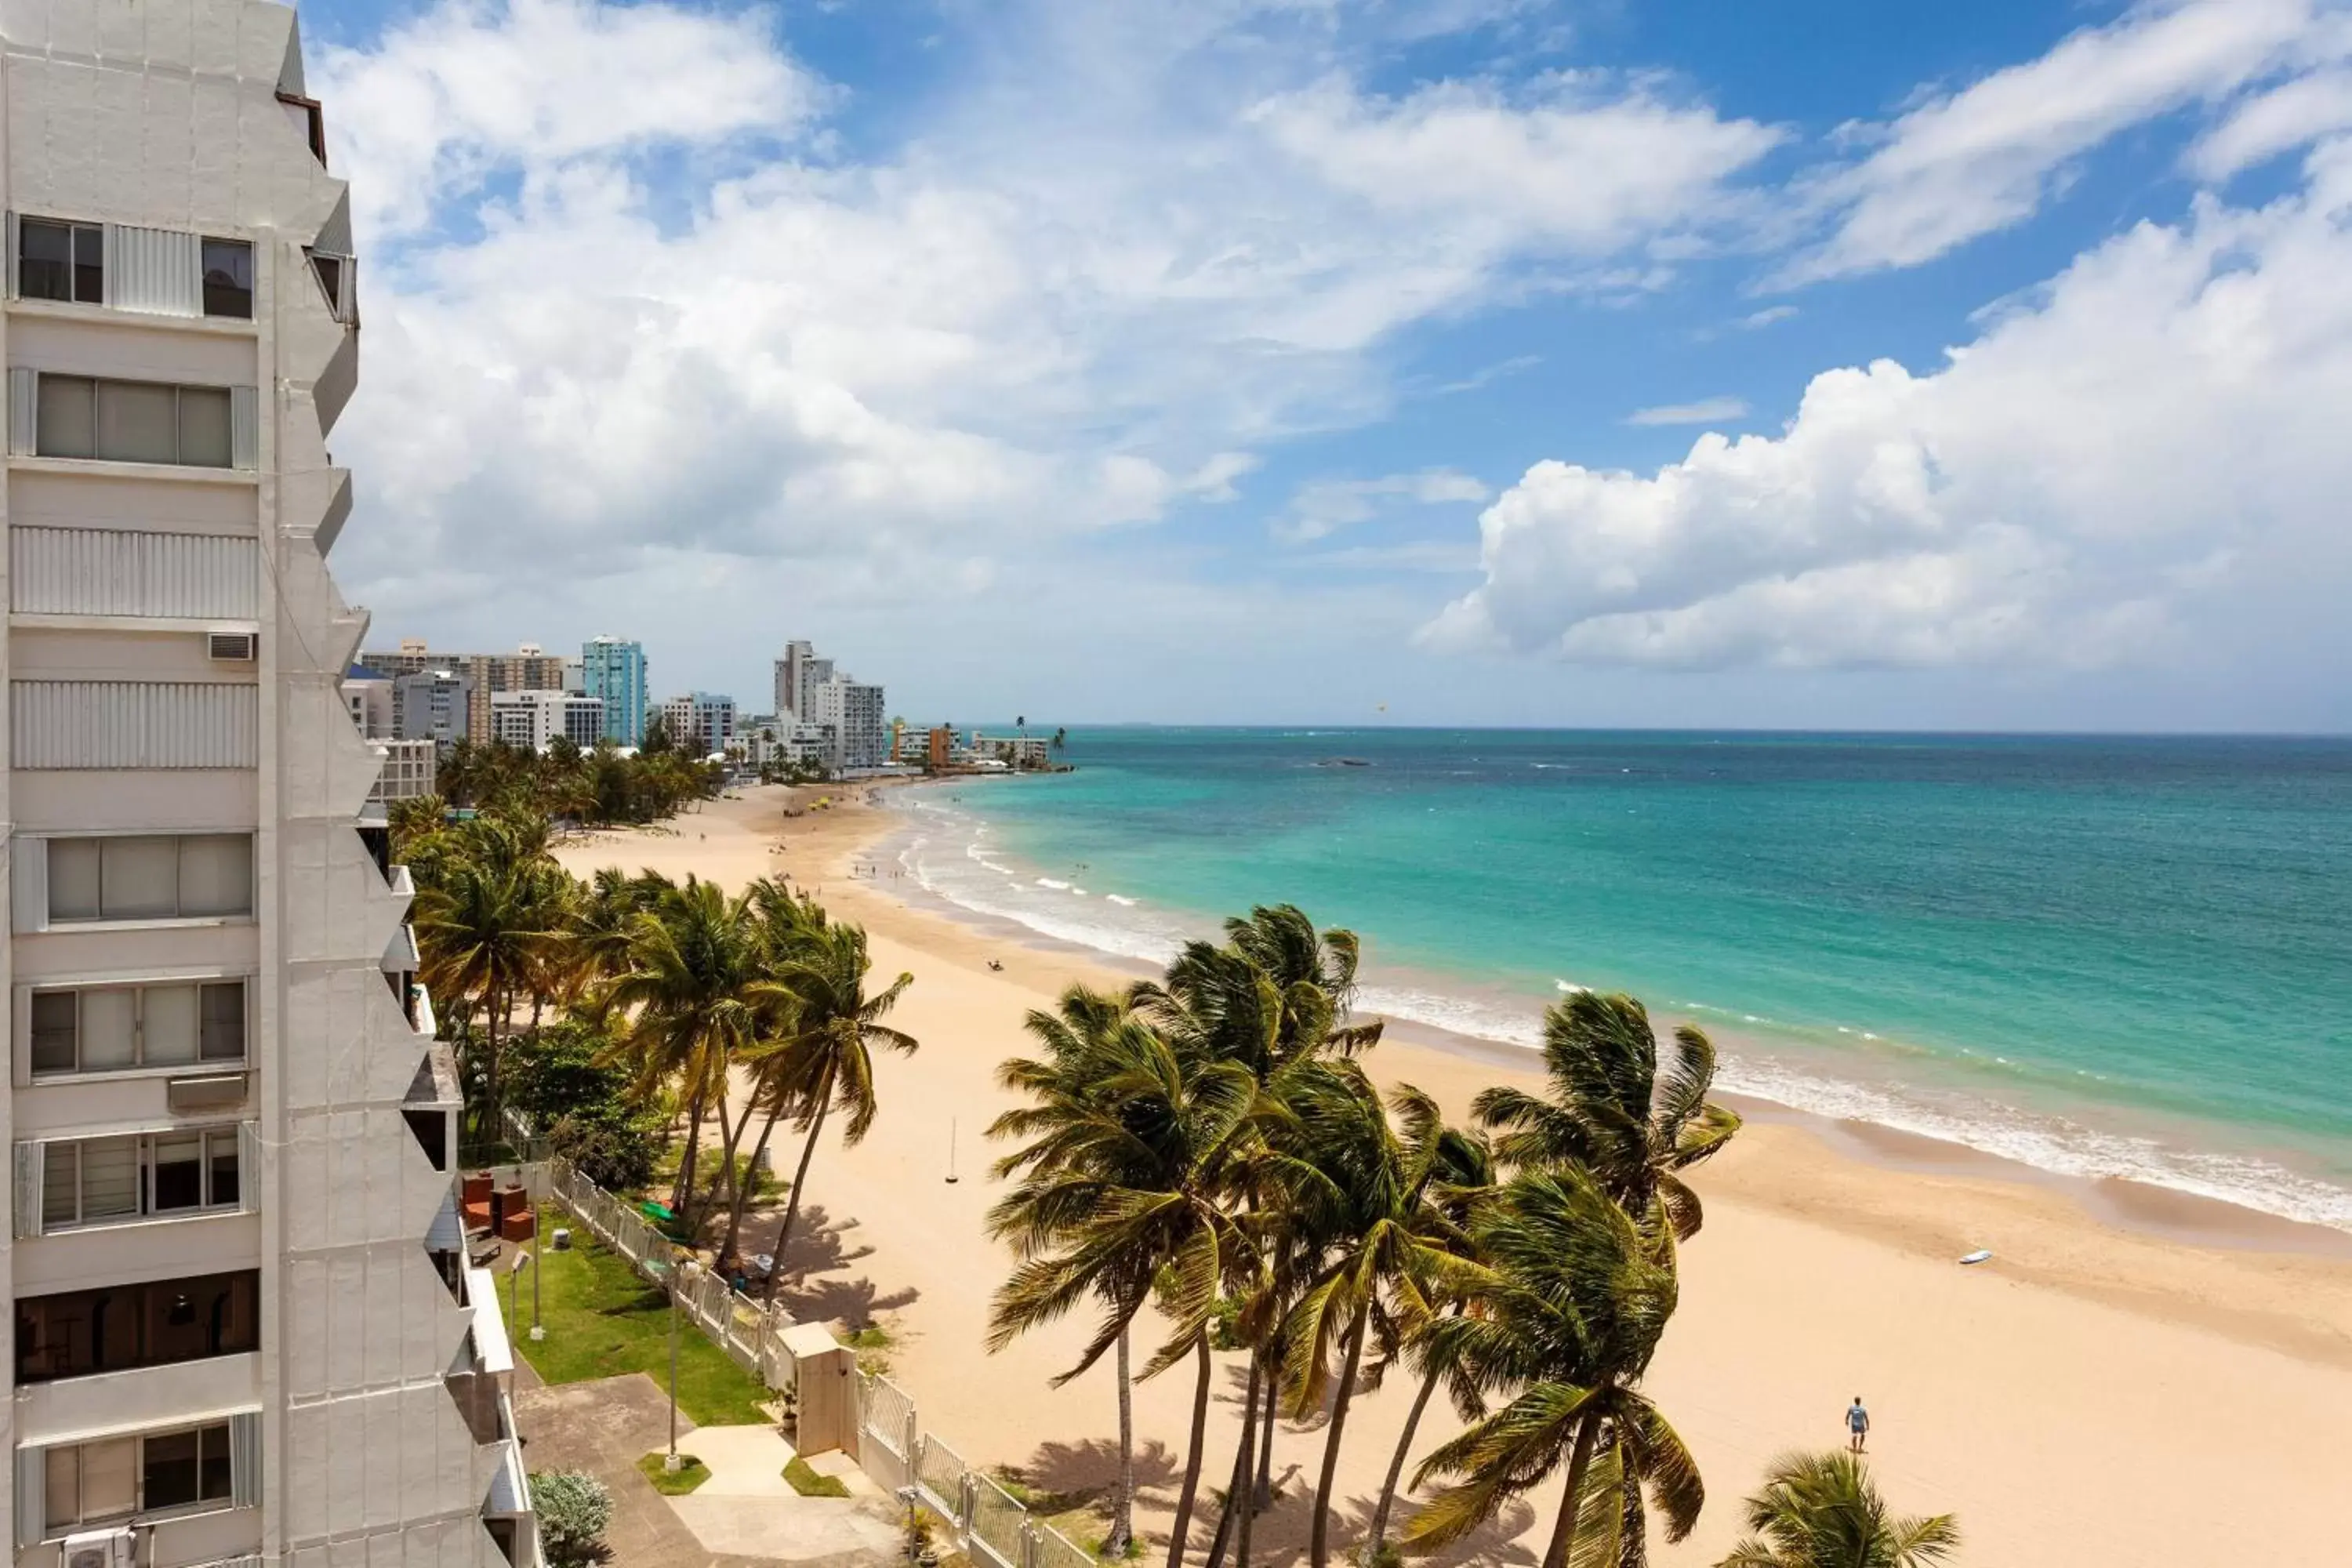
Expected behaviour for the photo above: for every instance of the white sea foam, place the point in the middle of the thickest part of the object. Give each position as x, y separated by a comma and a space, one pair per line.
1123, 926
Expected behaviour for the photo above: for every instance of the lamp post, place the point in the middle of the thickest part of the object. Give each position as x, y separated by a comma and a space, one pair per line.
539, 1267
669, 1462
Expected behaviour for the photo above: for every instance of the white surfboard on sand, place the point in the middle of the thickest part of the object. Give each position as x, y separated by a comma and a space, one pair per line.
1982, 1254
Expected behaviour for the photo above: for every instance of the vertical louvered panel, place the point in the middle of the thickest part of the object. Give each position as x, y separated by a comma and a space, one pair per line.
153, 270
244, 428
16, 253
117, 572
24, 411
134, 725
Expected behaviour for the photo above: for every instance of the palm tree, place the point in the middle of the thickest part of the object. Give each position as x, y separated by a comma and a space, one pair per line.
830, 1060
691, 965
481, 928
1463, 1177
785, 926
1358, 1187
1613, 1110
1126, 1202
1571, 1302
1066, 1088
1822, 1510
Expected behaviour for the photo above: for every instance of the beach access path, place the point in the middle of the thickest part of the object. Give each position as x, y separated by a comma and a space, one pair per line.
2176, 1390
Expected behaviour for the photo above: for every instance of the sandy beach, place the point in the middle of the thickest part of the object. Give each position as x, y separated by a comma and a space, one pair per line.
2136, 1378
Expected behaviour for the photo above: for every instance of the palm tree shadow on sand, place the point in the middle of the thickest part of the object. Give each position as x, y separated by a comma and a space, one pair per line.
819, 1249
1280, 1534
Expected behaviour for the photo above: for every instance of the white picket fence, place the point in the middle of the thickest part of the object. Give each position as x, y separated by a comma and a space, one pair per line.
986, 1522
749, 1331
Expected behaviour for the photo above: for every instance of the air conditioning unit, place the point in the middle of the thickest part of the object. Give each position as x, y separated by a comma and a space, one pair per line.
241, 647
102, 1549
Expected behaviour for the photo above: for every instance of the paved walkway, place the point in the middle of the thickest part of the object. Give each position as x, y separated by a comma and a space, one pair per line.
745, 1516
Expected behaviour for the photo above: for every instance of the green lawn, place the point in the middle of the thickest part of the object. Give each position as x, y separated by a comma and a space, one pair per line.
808, 1483
603, 1319
690, 1473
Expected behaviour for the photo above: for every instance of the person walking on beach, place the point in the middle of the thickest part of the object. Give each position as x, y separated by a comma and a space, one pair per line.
1857, 1425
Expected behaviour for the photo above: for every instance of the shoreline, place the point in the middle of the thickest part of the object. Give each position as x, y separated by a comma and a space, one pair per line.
2109, 1326
2127, 1203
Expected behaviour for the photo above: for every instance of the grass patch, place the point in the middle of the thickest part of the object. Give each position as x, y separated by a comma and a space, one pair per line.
690, 1473
872, 1345
808, 1483
603, 1319
1081, 1515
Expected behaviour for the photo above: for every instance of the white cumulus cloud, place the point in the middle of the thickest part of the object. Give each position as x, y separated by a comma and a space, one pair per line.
2152, 442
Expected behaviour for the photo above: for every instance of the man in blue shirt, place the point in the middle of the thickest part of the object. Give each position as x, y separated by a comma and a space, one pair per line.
1857, 1425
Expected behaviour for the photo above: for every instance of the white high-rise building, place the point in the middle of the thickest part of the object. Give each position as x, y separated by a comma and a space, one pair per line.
245, 1329
533, 720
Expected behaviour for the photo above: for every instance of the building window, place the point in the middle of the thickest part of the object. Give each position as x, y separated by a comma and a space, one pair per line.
140, 1176
117, 1028
132, 422
122, 1326
188, 877
115, 1477
61, 261
228, 279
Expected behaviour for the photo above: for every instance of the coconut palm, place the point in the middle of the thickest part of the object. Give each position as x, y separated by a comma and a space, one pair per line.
686, 994
830, 1060
1572, 1299
1358, 1189
1615, 1111
1064, 1087
1464, 1175
1822, 1510
482, 929
1130, 1202
785, 927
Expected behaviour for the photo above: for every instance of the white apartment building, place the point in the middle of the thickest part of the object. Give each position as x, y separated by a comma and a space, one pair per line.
245, 1331
854, 712
533, 719
410, 771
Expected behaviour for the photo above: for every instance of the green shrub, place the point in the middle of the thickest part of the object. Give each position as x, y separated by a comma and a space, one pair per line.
574, 1510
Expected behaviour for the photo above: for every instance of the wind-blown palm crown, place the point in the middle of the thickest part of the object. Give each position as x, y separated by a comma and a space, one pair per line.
1276, 993
1822, 1511
1614, 1111
1571, 1301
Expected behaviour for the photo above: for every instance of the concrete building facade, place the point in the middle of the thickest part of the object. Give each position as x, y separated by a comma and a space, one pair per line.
614, 669
528, 669
533, 720
245, 1331
434, 705
702, 722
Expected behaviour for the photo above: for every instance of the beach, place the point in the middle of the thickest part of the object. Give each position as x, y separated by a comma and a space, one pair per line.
2135, 1377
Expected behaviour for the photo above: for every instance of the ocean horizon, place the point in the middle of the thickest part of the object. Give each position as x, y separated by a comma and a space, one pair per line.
2101, 956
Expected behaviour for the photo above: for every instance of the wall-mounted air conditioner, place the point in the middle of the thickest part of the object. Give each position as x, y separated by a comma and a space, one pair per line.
239, 648
101, 1549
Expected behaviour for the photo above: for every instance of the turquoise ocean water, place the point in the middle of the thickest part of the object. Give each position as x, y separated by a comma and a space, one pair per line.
2103, 956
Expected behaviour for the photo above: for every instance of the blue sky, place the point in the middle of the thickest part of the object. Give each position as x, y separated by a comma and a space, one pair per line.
1817, 364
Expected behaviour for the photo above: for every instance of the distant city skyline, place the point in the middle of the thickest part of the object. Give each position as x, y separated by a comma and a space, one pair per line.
1485, 361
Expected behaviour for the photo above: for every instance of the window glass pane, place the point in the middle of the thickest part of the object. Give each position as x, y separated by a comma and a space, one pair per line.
110, 1478
224, 1021
73, 878
53, 1031
179, 1319
329, 270
63, 1504
60, 1178
65, 423
221, 1149
107, 1040
179, 1171
217, 874
204, 426
138, 878
169, 1469
137, 422
214, 1484
167, 1029
228, 279
236, 1315
114, 1327
90, 263
43, 261
109, 1178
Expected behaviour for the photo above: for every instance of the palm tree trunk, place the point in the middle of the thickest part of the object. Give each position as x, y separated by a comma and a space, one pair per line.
729, 1136
1122, 1507
1263, 1497
1183, 1521
1318, 1543
743, 1189
686, 1160
1247, 1501
495, 1129
1563, 1533
1396, 1469
1237, 1494
799, 1181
